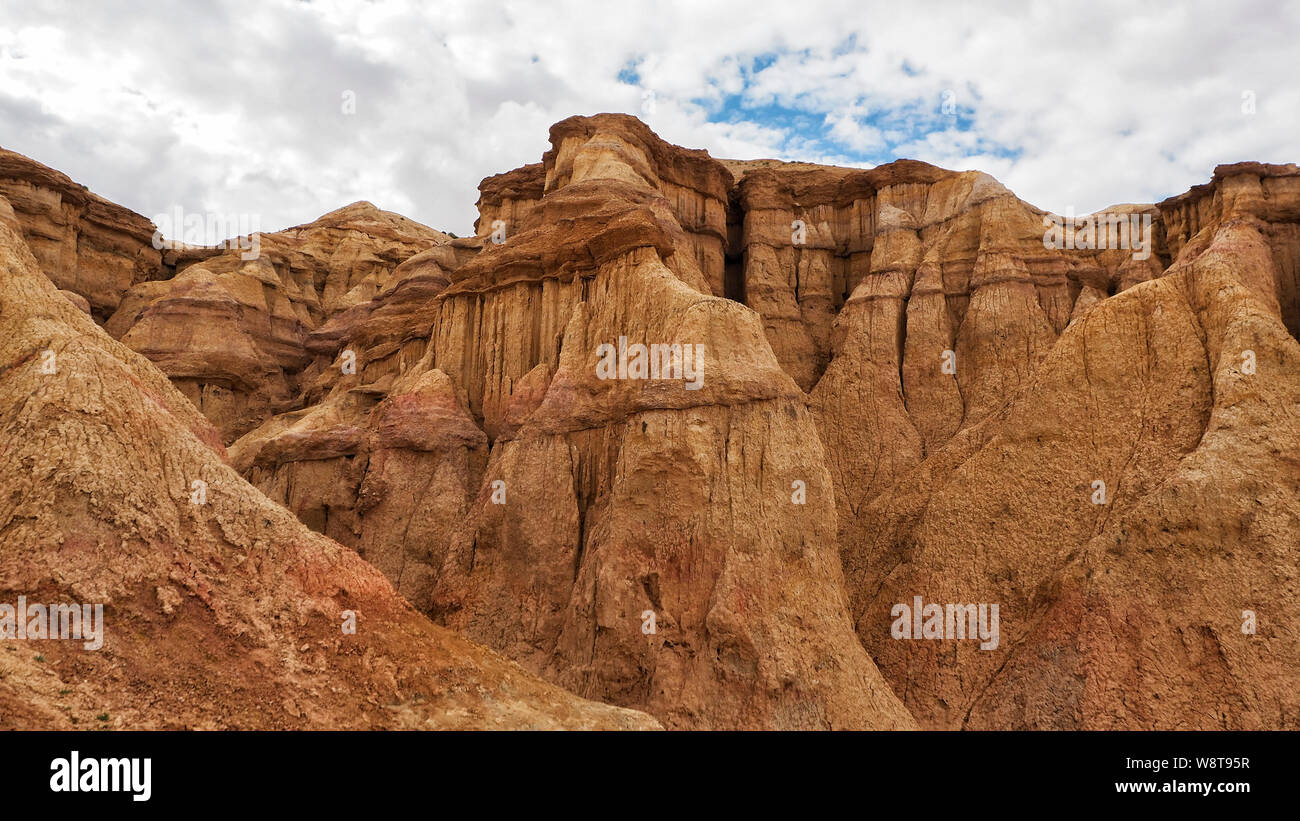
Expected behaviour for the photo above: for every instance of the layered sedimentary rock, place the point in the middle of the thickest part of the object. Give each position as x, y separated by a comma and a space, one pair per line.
909, 301
1134, 510
390, 476
231, 329
860, 387
231, 324
922, 312
82, 242
219, 608
983, 396
636, 540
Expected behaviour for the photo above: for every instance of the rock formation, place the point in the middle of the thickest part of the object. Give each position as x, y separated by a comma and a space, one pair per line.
602, 504
231, 330
1133, 508
84, 243
860, 387
220, 609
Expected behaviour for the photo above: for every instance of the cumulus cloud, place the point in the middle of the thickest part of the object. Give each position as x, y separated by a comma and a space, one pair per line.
290, 109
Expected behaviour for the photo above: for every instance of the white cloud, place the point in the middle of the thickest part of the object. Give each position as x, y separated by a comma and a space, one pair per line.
236, 106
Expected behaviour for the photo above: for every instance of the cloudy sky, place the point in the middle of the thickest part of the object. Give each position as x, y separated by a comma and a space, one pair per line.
286, 110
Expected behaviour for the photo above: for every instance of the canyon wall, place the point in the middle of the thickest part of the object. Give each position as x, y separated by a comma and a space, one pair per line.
85, 244
220, 610
887, 386
592, 506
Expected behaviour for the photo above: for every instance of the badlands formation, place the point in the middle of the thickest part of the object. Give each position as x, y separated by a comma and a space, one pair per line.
900, 393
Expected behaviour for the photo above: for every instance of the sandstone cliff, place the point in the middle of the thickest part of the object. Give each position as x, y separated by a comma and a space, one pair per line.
84, 243
220, 609
1124, 610
548, 513
231, 329
902, 392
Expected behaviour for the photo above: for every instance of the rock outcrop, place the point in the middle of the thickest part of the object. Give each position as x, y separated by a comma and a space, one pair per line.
220, 610
909, 302
1134, 509
683, 435
231, 329
636, 541
921, 312
84, 243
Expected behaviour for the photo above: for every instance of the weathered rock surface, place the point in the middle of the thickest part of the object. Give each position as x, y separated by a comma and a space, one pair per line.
1180, 396
903, 392
224, 613
601, 503
870, 282
83, 243
231, 329
929, 325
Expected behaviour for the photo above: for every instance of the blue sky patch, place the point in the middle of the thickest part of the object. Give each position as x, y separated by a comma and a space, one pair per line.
863, 132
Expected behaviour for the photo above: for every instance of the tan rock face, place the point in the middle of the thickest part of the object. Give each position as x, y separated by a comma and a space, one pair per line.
232, 329
693, 187
83, 243
1132, 509
231, 326
391, 478
916, 307
220, 612
634, 540
969, 386
889, 385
